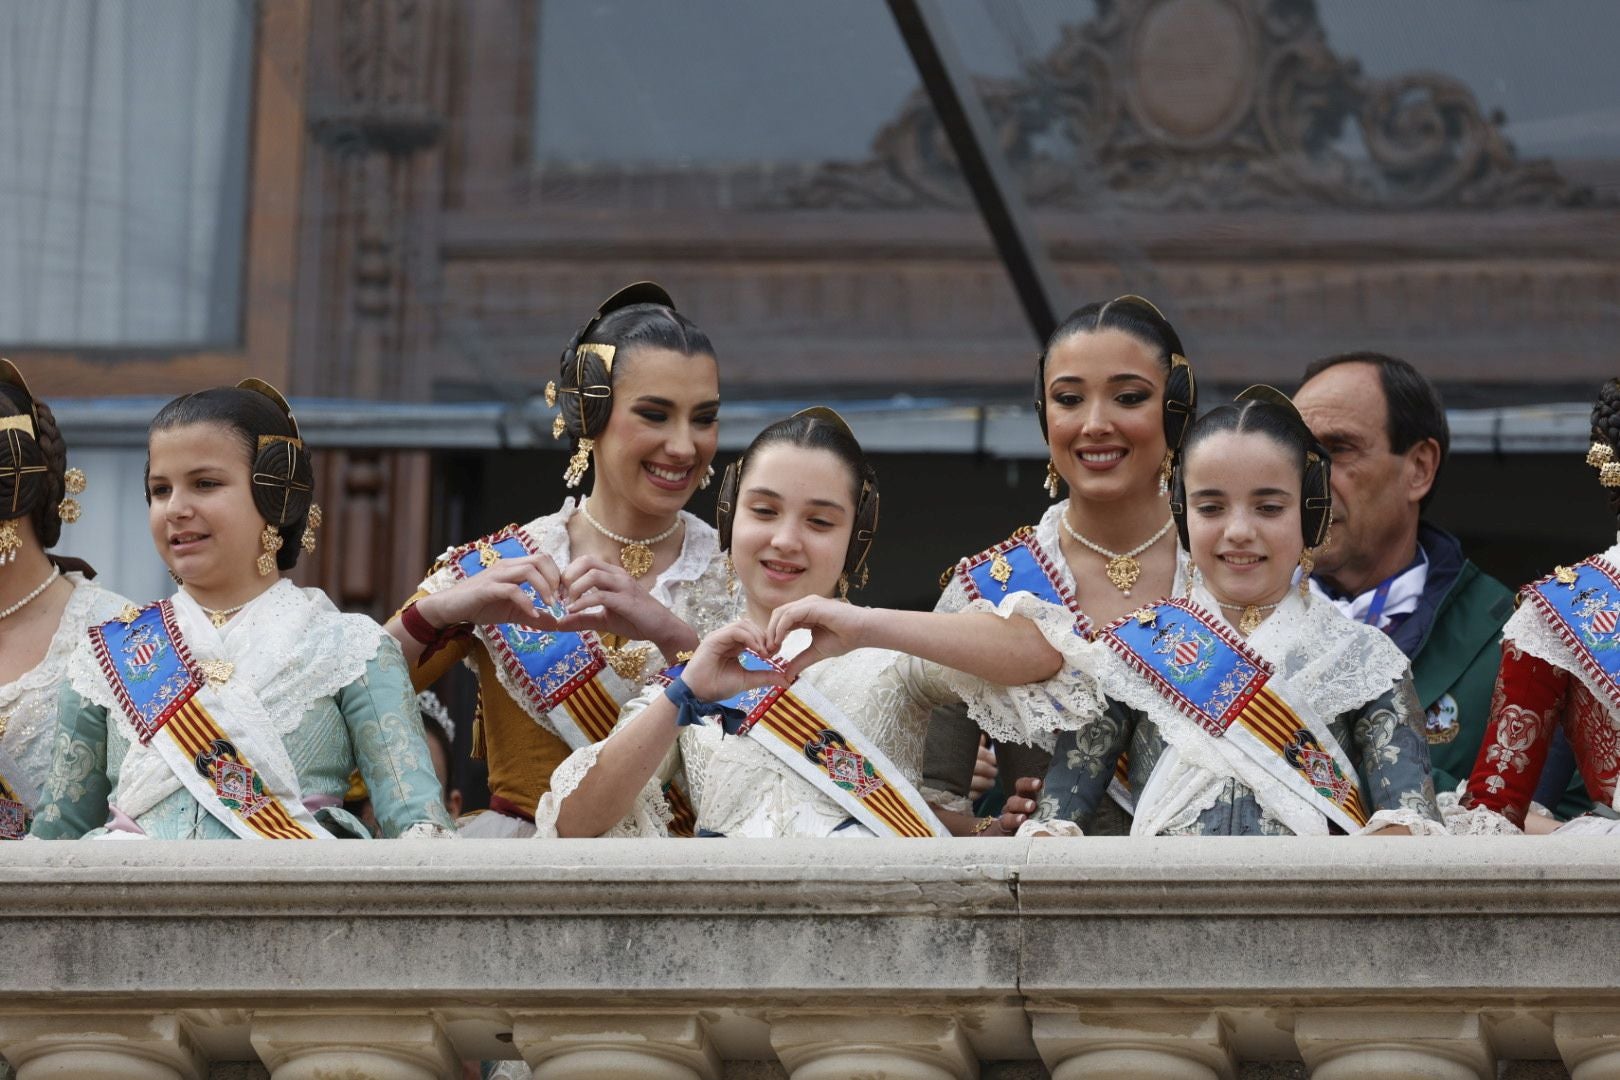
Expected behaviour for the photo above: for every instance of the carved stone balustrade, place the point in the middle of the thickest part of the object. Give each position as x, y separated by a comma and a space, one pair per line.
944, 960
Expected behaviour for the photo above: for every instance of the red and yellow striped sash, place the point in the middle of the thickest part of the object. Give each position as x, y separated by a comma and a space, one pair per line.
593, 709
235, 782
1269, 719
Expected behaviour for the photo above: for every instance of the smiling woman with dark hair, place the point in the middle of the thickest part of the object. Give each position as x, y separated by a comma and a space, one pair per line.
1246, 706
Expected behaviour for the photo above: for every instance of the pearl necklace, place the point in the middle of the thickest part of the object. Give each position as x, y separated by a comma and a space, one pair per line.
1253, 615
634, 555
221, 617
1122, 569
56, 572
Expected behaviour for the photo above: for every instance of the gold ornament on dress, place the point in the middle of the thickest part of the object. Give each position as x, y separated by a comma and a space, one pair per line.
1001, 570
627, 661
270, 541
129, 614
218, 672
579, 464
1565, 575
487, 555
307, 541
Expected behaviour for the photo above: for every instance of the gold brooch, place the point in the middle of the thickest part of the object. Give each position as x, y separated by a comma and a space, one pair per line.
1145, 616
1001, 570
129, 614
1565, 575
218, 672
487, 555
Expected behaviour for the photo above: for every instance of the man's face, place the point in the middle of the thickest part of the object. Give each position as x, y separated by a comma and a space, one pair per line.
1376, 492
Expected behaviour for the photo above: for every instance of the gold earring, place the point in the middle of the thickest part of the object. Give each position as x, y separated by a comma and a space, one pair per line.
270, 541
1307, 563
708, 476
307, 541
1600, 454
843, 586
731, 576
579, 464
174, 577
1051, 480
69, 509
10, 541
1165, 468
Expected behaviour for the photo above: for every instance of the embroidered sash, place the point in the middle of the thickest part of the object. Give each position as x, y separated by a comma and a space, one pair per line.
558, 672
178, 713
14, 803
808, 733
1582, 605
1018, 564
1232, 693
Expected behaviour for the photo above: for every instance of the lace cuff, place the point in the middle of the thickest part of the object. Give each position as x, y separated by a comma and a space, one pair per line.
427, 830
1055, 827
946, 800
650, 816
1419, 823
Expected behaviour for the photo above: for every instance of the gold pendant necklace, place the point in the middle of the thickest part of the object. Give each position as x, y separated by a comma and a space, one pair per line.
636, 556
1253, 615
221, 617
1122, 568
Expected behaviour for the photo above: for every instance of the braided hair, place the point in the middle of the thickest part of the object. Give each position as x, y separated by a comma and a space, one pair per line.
283, 475
38, 494
1606, 428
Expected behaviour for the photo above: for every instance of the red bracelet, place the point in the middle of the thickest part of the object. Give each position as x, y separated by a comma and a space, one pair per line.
433, 637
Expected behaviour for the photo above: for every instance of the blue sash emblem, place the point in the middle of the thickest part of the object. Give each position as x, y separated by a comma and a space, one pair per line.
554, 663
146, 665
1014, 566
1190, 660
1584, 602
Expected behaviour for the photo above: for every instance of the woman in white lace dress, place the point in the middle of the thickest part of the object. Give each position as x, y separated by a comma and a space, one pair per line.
238, 707
1245, 707
829, 740
634, 577
1114, 393
46, 601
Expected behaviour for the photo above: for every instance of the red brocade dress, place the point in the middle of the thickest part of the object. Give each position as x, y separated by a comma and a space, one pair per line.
1560, 666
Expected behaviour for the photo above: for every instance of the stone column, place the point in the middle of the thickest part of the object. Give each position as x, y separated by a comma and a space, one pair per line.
99, 1046
1589, 1043
1343, 1044
355, 1046
1135, 1046
616, 1046
836, 1046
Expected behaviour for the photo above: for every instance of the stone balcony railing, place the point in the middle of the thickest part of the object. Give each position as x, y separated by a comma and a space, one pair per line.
814, 960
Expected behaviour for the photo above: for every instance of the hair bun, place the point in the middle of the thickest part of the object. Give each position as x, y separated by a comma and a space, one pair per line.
283, 481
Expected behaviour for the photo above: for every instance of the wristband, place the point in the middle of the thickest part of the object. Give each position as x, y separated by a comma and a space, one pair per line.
433, 637
690, 709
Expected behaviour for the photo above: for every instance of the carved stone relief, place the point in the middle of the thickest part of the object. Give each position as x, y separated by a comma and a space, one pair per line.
1207, 104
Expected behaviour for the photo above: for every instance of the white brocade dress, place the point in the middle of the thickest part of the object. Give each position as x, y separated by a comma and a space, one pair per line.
738, 788
28, 704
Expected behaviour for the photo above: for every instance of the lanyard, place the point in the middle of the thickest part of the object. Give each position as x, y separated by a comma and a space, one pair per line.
1380, 598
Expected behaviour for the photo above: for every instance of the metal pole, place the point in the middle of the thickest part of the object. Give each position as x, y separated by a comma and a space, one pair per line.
962, 113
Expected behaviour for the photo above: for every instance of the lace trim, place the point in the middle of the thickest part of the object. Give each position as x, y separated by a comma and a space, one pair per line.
649, 817
1035, 713
1471, 821
427, 830
1419, 824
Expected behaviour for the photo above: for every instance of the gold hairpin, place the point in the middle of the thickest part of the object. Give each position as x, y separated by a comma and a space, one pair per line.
21, 422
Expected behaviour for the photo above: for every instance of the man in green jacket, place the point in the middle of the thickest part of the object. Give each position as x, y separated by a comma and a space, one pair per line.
1384, 425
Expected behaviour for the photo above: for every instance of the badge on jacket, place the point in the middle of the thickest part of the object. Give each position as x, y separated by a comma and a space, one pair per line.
1440, 723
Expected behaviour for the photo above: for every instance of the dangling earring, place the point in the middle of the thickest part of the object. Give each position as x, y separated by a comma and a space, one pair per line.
1051, 480
1164, 471
1307, 563
1192, 580
68, 509
174, 577
307, 541
843, 586
579, 463
708, 475
270, 541
731, 576
10, 541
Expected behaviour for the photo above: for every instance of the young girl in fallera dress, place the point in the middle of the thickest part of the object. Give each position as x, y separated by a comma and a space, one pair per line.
826, 741
239, 706
47, 602
1245, 707
634, 577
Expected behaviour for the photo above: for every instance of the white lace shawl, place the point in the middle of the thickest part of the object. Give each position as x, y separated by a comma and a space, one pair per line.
695, 587
29, 702
291, 647
739, 788
1034, 714
1529, 632
1329, 664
